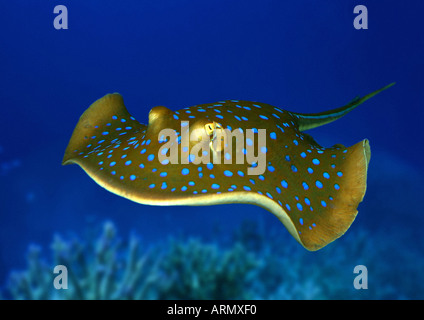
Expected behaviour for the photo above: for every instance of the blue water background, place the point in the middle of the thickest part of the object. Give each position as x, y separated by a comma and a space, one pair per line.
303, 56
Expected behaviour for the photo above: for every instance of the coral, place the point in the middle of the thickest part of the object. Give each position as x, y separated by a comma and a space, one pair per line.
204, 271
257, 263
104, 269
110, 269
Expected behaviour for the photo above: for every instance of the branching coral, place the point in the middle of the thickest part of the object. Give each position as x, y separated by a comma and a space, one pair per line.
110, 269
203, 271
254, 265
104, 269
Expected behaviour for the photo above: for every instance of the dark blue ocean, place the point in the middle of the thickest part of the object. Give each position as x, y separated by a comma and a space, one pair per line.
303, 56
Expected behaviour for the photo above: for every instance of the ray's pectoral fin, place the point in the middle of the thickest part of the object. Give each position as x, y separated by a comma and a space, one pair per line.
101, 126
337, 197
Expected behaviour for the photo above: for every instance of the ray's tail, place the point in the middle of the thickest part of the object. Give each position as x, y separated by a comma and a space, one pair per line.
312, 120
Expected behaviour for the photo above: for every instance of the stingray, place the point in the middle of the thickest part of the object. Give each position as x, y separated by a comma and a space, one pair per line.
231, 151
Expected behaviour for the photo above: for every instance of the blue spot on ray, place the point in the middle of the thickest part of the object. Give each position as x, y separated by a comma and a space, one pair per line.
228, 173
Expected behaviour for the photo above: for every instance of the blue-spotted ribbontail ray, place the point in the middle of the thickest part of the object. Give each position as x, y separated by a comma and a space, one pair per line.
314, 191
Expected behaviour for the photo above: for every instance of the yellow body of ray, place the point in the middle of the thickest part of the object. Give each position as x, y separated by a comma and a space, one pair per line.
316, 202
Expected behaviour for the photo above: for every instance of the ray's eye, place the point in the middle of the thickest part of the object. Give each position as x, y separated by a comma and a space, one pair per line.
210, 127
215, 131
